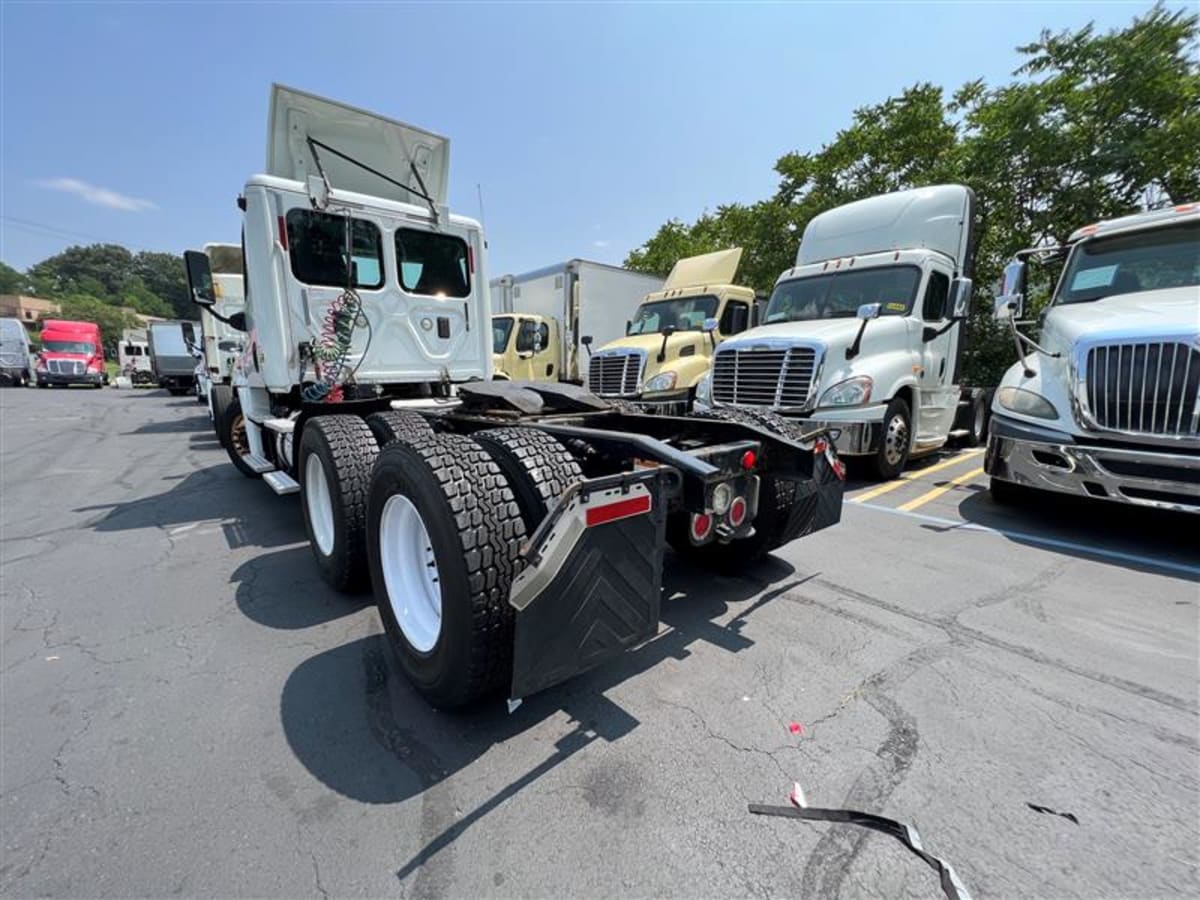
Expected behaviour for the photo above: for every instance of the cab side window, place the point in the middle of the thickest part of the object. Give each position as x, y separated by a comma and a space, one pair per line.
933, 309
317, 245
736, 318
533, 337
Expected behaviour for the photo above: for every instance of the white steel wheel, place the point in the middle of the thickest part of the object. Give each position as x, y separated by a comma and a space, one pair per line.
410, 573
319, 503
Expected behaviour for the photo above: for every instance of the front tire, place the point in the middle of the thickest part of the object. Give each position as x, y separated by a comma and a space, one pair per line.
336, 456
443, 536
232, 436
895, 442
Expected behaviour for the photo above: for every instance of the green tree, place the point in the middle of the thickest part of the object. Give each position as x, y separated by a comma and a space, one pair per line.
105, 269
139, 297
164, 276
12, 281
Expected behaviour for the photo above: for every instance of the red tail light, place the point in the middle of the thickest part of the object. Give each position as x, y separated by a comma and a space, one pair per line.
737, 512
701, 527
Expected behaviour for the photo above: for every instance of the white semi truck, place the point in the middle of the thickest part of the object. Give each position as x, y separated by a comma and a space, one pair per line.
222, 343
1106, 403
513, 532
539, 318
865, 334
133, 356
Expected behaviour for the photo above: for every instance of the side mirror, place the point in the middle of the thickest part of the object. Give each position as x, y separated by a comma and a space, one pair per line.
628, 325
1010, 301
960, 298
199, 276
238, 322
586, 340
668, 330
869, 311
710, 325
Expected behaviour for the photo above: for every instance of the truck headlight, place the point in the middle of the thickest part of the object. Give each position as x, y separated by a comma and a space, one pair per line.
663, 381
704, 390
851, 392
1026, 402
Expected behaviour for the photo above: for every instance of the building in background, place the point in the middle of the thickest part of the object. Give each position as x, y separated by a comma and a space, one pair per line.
30, 310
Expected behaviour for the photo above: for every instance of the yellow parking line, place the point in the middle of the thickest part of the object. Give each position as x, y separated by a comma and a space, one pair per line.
940, 489
911, 476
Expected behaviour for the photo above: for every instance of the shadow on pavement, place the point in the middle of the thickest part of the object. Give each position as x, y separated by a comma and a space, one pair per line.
249, 513
1082, 524
198, 422
352, 719
284, 590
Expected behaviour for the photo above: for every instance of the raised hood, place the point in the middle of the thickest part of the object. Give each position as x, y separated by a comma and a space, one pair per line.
708, 268
935, 218
388, 146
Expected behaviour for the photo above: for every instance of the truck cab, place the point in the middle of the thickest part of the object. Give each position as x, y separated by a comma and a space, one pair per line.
222, 342
71, 354
526, 346
864, 334
1106, 403
669, 342
133, 356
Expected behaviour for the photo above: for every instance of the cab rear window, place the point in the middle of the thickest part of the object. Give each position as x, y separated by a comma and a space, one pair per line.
432, 264
317, 247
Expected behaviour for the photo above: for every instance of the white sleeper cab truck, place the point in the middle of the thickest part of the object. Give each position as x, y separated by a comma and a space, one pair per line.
865, 334
539, 318
513, 532
133, 356
222, 343
1106, 403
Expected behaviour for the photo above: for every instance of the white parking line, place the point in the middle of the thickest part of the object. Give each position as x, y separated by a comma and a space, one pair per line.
1086, 549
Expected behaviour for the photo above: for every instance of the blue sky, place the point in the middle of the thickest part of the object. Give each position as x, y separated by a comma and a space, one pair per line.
587, 125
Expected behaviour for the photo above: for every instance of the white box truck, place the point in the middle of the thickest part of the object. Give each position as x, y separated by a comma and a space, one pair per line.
865, 333
1106, 403
513, 532
540, 318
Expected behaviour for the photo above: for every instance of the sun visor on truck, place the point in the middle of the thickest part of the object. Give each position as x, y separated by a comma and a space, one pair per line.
708, 268
388, 146
936, 218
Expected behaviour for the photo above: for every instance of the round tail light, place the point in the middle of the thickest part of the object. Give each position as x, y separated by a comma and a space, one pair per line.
737, 512
701, 527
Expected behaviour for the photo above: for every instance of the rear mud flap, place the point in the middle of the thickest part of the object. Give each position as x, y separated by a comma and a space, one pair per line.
818, 500
593, 578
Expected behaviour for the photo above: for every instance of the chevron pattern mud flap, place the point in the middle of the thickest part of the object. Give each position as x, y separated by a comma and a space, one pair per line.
818, 500
593, 578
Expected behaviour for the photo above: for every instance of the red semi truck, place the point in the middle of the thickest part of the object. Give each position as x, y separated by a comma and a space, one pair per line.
71, 354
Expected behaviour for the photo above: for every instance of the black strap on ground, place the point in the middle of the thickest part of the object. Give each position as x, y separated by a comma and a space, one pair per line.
906, 834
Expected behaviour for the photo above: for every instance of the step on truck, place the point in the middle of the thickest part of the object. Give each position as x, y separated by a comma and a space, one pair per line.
668, 344
865, 333
1106, 402
222, 343
513, 532
540, 317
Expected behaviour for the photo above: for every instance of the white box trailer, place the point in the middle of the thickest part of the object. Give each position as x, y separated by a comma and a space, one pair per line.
566, 303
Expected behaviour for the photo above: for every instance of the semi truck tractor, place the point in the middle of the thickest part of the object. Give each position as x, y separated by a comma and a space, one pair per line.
668, 344
221, 343
539, 318
865, 333
133, 356
71, 354
1106, 402
513, 532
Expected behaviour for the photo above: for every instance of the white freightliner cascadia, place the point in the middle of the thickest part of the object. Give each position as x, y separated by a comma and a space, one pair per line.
865, 332
1107, 403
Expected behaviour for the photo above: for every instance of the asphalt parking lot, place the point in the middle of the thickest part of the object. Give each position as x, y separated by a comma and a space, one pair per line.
187, 710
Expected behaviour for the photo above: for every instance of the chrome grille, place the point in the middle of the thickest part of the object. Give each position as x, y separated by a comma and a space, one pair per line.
615, 374
1151, 387
65, 366
776, 377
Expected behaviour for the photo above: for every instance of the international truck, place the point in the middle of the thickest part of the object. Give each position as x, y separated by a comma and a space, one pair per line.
668, 345
513, 532
71, 354
221, 343
16, 362
864, 335
133, 356
1106, 402
174, 350
541, 318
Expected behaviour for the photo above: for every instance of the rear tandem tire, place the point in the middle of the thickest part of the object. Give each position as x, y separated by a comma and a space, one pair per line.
443, 536
775, 499
395, 424
537, 466
335, 459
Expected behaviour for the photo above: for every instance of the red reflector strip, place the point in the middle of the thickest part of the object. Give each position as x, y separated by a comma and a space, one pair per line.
282, 233
622, 509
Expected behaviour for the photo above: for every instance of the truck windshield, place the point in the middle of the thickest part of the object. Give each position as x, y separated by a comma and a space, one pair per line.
685, 313
501, 329
69, 347
838, 295
1124, 264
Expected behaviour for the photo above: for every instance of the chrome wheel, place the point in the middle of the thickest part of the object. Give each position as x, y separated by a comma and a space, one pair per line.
410, 573
237, 435
895, 440
319, 504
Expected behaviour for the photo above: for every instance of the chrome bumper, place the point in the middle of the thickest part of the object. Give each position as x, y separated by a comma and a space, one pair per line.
853, 438
1051, 461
